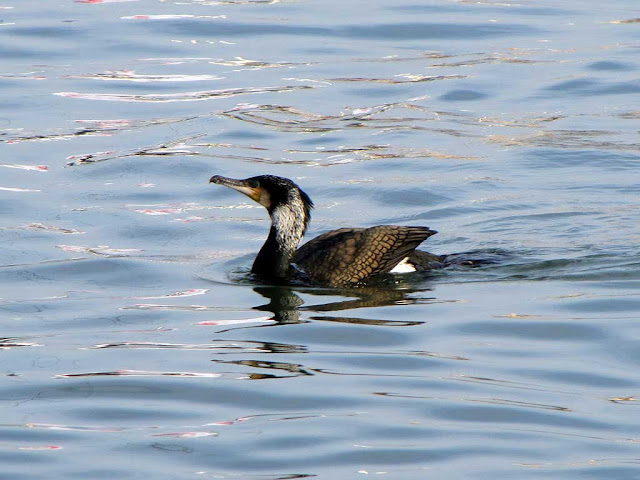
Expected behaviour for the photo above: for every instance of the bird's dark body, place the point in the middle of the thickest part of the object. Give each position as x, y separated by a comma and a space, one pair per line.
340, 258
349, 256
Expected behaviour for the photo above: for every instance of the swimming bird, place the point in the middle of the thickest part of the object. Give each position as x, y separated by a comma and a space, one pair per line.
345, 257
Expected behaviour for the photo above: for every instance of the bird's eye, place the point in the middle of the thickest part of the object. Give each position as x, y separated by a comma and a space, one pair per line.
254, 183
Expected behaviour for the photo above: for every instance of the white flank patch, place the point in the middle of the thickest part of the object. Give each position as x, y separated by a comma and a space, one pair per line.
403, 267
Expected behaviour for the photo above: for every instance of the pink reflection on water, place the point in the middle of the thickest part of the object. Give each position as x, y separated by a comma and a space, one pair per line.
41, 447
38, 168
236, 321
184, 293
160, 211
186, 434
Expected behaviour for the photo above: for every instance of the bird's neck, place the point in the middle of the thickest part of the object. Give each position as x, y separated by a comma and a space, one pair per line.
287, 228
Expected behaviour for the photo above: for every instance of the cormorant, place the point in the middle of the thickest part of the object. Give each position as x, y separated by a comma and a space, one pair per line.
340, 258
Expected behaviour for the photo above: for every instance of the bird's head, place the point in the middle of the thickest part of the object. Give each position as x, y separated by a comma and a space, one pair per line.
271, 192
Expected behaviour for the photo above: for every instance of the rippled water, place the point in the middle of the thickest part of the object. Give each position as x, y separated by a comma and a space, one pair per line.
135, 346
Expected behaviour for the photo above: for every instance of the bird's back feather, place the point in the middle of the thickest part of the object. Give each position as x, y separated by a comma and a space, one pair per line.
349, 256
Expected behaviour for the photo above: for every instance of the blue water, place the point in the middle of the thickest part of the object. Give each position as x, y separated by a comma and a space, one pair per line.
134, 343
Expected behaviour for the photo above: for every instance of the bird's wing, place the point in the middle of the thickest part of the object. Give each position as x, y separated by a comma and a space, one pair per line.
351, 255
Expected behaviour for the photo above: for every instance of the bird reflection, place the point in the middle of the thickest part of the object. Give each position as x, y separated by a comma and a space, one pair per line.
287, 306
284, 303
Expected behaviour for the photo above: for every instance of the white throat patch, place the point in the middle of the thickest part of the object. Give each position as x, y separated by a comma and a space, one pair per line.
289, 223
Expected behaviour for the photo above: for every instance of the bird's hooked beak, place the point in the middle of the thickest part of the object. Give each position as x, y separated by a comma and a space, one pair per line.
255, 193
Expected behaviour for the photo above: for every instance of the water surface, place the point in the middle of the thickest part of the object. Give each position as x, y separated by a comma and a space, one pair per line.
136, 346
